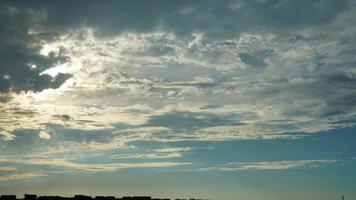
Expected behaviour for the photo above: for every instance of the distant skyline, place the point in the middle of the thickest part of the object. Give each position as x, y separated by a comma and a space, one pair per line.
83, 197
221, 100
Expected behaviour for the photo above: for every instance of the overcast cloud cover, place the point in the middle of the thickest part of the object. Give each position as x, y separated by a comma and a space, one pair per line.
102, 86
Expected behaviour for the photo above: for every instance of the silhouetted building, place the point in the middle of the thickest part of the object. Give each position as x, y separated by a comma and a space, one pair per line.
105, 198
30, 197
8, 197
82, 197
142, 198
136, 198
53, 198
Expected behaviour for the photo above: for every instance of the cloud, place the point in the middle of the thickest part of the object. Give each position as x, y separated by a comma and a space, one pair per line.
20, 176
192, 71
21, 64
44, 135
275, 165
6, 136
9, 173
7, 168
139, 75
162, 153
186, 17
90, 167
250, 108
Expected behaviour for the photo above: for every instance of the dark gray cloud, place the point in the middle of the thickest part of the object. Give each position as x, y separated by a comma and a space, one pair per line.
255, 59
186, 17
19, 49
20, 61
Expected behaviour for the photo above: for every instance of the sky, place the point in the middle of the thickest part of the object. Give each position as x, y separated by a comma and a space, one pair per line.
220, 100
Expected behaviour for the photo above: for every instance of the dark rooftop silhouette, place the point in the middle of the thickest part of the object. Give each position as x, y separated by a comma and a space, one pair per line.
82, 197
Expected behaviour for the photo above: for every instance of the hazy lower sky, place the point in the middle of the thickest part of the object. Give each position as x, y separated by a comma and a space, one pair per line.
226, 100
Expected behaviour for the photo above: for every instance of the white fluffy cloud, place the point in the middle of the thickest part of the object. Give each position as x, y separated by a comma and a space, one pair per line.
6, 136
44, 135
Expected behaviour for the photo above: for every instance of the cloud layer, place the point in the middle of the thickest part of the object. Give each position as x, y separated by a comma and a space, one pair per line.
190, 71
275, 165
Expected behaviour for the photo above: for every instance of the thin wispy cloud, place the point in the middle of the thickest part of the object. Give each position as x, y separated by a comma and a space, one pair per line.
90, 167
20, 176
275, 165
